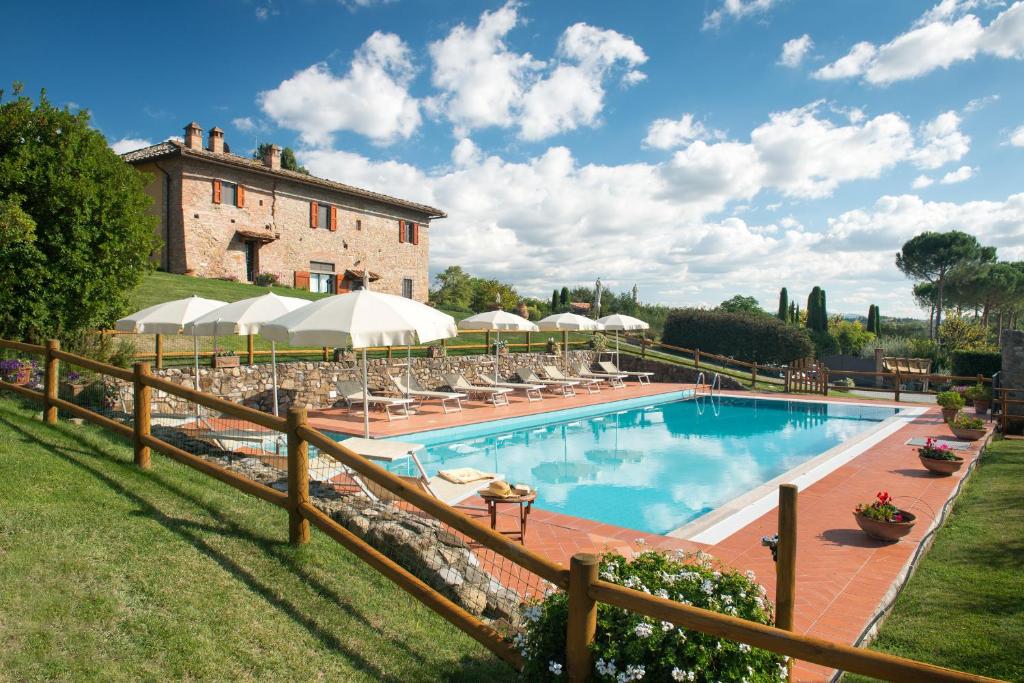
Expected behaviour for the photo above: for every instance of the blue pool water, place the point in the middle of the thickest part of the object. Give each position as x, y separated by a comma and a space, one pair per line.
650, 467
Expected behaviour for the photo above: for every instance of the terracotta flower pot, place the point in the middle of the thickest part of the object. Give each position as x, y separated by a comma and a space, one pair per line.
225, 362
981, 406
886, 531
943, 467
949, 413
968, 434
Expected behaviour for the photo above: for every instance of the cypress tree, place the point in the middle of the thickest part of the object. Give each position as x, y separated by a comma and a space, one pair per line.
564, 297
783, 305
812, 308
794, 312
822, 312
554, 300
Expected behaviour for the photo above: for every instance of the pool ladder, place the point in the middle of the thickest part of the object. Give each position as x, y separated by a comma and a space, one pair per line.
709, 392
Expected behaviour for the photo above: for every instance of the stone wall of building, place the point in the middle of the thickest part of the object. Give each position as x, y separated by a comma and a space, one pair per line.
367, 232
314, 384
1012, 373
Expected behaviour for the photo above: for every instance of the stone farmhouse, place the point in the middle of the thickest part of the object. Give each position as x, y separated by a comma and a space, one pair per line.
227, 216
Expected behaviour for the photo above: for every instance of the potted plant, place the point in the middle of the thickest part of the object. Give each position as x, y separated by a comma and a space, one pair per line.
225, 359
844, 384
939, 459
965, 427
951, 403
553, 347
982, 397
71, 386
882, 520
500, 347
16, 371
436, 351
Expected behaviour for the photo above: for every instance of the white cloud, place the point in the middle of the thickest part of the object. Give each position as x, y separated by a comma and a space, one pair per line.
129, 144
942, 142
1017, 137
483, 83
942, 37
465, 153
736, 9
794, 51
372, 99
673, 133
979, 103
958, 176
922, 181
247, 124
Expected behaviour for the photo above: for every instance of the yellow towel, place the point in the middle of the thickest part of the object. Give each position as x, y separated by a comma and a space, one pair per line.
463, 475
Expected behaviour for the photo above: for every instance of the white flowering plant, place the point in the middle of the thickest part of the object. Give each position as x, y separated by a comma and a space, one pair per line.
631, 647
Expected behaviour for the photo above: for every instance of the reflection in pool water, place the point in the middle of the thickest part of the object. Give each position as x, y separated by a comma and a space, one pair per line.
655, 468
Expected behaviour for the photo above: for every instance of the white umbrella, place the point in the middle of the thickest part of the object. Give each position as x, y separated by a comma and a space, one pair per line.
565, 323
362, 319
245, 317
625, 323
497, 321
170, 317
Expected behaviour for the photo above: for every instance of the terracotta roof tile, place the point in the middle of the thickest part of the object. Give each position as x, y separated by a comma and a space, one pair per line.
172, 147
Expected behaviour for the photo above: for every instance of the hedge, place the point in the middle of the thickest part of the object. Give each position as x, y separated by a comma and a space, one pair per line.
970, 363
761, 339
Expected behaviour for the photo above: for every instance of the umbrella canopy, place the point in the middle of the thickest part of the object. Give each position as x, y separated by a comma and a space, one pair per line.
500, 321
169, 317
361, 319
568, 322
245, 316
622, 323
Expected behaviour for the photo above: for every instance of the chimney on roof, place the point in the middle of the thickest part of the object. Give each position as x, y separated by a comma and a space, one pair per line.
193, 136
216, 140
272, 158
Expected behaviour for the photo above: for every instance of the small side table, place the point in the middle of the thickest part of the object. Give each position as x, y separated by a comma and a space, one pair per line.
525, 504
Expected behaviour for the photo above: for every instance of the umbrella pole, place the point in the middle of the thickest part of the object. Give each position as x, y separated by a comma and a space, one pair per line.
408, 370
617, 349
195, 350
273, 371
496, 344
366, 401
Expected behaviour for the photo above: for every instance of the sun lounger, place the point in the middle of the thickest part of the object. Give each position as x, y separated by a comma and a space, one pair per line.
591, 384
415, 391
352, 394
555, 386
609, 368
613, 379
532, 391
496, 395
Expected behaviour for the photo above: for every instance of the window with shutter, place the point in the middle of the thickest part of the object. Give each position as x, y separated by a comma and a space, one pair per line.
302, 279
415, 233
240, 197
216, 192
334, 218
314, 213
401, 231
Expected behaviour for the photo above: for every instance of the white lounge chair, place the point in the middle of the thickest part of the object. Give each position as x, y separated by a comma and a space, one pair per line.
614, 379
496, 395
532, 391
555, 386
352, 394
591, 384
415, 391
610, 368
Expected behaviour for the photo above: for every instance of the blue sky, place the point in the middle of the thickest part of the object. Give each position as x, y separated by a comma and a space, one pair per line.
700, 149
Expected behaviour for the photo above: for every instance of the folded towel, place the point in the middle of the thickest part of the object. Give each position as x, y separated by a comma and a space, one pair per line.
463, 475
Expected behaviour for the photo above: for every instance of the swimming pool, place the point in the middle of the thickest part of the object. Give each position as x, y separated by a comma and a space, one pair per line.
651, 467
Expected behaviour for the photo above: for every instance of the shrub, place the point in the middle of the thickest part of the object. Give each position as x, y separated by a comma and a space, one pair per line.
850, 336
962, 421
970, 363
763, 339
979, 392
266, 279
950, 399
630, 647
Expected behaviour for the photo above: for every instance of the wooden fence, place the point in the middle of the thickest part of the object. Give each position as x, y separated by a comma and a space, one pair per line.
581, 580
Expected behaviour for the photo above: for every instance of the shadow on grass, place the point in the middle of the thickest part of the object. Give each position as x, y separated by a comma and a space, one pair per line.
189, 531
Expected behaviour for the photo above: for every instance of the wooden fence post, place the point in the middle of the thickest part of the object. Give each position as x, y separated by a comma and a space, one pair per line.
898, 382
643, 345
753, 376
789, 375
50, 377
487, 341
298, 478
696, 358
785, 565
528, 349
582, 622
326, 357
159, 348
142, 400
251, 349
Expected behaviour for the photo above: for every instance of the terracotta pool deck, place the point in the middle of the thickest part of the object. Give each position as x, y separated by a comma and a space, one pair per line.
843, 577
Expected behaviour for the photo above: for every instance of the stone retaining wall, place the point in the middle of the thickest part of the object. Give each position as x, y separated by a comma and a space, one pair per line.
313, 384
670, 372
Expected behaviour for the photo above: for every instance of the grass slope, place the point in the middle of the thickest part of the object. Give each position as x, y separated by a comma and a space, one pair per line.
964, 607
108, 573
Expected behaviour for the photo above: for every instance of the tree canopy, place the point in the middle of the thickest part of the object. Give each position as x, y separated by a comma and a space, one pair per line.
930, 256
741, 304
288, 160
76, 234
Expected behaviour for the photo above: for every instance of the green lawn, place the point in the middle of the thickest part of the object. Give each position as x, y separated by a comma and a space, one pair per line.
111, 574
964, 607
